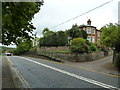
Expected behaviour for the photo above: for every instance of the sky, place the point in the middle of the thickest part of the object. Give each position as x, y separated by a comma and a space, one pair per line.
54, 12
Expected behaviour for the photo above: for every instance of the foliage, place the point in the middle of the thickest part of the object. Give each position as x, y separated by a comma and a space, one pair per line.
63, 51
6, 49
111, 36
75, 32
16, 20
47, 32
93, 48
51, 38
24, 46
78, 45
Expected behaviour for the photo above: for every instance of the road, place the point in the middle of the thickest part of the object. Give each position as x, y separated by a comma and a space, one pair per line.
48, 74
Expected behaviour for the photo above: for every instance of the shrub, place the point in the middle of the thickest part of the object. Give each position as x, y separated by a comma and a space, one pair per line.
93, 48
78, 45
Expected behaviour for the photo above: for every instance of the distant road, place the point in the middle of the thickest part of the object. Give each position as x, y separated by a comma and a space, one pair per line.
47, 74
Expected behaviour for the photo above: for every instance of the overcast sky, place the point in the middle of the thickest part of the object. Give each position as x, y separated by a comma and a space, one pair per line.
54, 12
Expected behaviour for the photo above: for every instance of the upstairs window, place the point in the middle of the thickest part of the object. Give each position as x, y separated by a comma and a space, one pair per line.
93, 30
98, 34
88, 30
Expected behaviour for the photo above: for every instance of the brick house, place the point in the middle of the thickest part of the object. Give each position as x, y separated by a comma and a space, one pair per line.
93, 33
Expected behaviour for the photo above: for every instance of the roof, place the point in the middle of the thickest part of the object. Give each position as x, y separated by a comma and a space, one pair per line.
81, 26
86, 26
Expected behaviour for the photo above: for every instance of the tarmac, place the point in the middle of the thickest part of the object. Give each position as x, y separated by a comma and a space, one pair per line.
103, 66
7, 81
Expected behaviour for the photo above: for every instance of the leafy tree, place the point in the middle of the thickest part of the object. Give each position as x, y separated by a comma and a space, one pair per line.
51, 38
24, 46
111, 38
62, 38
84, 34
78, 45
45, 30
16, 20
75, 32
93, 47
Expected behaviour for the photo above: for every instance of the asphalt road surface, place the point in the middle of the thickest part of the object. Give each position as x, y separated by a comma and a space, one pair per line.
47, 74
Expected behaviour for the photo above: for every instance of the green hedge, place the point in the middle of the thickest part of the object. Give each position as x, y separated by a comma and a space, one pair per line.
78, 45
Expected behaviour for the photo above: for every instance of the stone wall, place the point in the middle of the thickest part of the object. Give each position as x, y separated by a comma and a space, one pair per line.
74, 57
60, 48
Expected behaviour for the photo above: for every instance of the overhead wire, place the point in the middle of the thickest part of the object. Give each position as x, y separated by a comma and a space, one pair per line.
82, 14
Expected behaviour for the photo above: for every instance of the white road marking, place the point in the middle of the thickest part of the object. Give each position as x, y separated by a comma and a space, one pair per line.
74, 75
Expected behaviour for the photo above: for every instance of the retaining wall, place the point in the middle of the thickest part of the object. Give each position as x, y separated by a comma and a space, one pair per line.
75, 57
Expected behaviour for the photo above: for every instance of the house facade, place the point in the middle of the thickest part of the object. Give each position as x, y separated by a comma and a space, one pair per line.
93, 33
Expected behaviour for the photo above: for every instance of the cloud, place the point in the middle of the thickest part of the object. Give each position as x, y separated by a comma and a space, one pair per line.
54, 12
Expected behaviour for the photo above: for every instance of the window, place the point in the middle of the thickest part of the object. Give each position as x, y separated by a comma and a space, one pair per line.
98, 34
89, 30
88, 38
93, 31
93, 39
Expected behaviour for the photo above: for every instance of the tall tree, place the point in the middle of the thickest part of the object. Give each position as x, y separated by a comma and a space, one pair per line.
16, 20
111, 38
75, 32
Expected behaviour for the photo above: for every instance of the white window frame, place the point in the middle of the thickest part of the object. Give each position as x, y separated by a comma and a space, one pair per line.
88, 30
93, 30
98, 34
93, 39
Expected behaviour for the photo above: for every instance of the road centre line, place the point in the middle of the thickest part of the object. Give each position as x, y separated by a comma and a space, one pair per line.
74, 75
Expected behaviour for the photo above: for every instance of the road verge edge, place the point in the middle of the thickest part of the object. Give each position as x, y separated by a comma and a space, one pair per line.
17, 77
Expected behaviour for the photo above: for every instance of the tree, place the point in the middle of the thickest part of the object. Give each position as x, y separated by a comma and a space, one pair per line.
111, 38
51, 38
78, 45
75, 32
62, 38
16, 20
24, 46
47, 32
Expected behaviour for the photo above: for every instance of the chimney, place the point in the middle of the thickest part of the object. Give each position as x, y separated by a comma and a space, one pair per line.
88, 22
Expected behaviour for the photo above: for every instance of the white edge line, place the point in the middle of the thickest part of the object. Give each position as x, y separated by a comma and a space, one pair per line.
74, 75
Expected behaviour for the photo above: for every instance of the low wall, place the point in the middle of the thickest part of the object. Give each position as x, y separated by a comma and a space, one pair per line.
75, 57
60, 48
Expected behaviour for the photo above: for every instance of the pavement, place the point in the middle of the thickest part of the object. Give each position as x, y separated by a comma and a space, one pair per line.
0, 73
7, 81
40, 73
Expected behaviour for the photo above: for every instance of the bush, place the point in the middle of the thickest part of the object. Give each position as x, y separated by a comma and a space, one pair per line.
93, 48
23, 47
78, 45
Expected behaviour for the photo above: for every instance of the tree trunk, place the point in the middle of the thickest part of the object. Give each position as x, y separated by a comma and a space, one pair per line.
116, 58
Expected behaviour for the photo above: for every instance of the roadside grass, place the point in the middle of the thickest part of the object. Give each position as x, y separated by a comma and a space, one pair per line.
63, 51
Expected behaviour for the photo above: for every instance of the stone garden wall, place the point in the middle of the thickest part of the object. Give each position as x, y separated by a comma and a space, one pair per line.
74, 57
